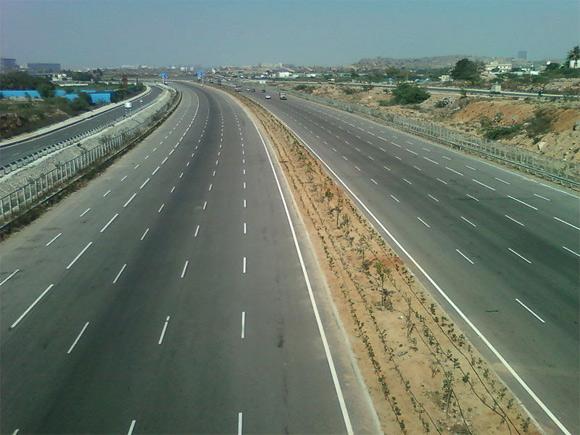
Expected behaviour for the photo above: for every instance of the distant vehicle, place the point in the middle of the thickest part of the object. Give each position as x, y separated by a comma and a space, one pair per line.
283, 96
128, 105
141, 100
238, 89
268, 97
247, 89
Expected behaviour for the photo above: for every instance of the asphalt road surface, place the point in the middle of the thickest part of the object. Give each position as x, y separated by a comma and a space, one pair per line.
501, 248
13, 152
168, 296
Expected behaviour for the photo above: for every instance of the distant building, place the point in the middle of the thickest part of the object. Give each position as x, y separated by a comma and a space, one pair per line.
8, 64
43, 68
11, 94
445, 78
574, 64
498, 68
523, 55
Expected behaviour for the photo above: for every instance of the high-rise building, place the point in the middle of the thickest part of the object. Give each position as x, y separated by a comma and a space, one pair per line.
523, 55
43, 68
8, 64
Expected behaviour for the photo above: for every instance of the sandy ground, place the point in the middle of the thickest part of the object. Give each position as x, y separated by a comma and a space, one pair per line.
561, 142
422, 373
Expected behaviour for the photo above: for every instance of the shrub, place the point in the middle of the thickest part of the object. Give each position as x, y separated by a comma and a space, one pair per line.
385, 103
495, 133
539, 124
406, 93
350, 91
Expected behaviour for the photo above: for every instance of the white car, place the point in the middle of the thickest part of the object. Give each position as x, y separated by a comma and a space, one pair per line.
268, 97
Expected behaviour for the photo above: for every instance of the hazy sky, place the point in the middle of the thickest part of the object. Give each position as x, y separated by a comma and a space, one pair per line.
324, 32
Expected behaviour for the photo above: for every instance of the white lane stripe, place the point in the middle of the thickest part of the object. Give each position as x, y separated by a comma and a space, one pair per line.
464, 256
8, 277
445, 157
519, 255
483, 184
137, 165
571, 251
172, 189
429, 160
502, 181
119, 274
240, 423
204, 205
163, 330
245, 204
388, 169
542, 197
243, 334
514, 220
17, 321
52, 240
155, 171
468, 221
244, 184
245, 228
398, 158
453, 170
374, 181
407, 181
371, 158
144, 183
432, 197
418, 168
164, 160
470, 167
567, 223
129, 200
423, 222
124, 178
196, 231
338, 389
184, 270
79, 255
109, 223
70, 349
357, 168
344, 157
85, 212
161, 208
106, 193
144, 233
395, 198
441, 181
529, 309
396, 144
523, 202
244, 265
411, 151
472, 197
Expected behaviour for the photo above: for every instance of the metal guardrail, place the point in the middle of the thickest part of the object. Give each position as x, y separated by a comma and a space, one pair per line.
36, 190
563, 172
24, 161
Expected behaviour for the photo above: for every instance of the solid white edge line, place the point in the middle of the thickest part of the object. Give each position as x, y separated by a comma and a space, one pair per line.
326, 346
530, 310
79, 255
461, 314
9, 276
70, 349
30, 307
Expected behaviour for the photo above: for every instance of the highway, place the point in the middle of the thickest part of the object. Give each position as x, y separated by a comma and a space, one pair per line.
175, 293
11, 153
500, 251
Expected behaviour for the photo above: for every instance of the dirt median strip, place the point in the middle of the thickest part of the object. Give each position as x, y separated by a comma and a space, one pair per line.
421, 371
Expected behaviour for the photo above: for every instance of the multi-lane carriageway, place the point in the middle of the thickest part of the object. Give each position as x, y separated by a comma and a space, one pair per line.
175, 293
501, 251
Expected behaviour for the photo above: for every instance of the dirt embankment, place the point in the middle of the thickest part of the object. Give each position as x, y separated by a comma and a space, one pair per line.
550, 128
422, 372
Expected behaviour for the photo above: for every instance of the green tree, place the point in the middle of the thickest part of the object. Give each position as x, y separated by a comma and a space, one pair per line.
465, 69
573, 55
406, 93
